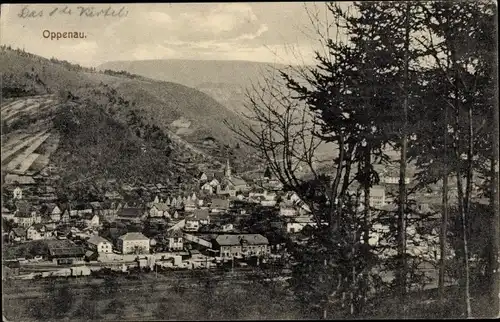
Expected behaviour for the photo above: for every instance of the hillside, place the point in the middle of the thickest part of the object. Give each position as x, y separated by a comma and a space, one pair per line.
93, 126
159, 103
225, 81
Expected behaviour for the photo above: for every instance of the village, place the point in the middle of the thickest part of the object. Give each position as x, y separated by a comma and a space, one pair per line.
225, 220
202, 225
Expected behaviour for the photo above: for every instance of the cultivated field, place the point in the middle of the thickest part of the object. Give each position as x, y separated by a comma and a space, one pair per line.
27, 147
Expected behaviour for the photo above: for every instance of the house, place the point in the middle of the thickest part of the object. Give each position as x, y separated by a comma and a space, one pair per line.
91, 220
17, 193
133, 243
259, 192
267, 203
96, 206
242, 245
227, 188
214, 183
377, 196
66, 253
287, 209
37, 232
238, 183
7, 214
65, 218
19, 179
203, 177
17, 234
191, 224
207, 188
175, 240
113, 195
53, 211
298, 223
81, 209
198, 218
26, 216
100, 245
219, 205
291, 197
129, 213
190, 205
202, 215
159, 210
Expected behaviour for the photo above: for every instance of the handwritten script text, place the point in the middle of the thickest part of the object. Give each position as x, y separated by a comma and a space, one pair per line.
80, 11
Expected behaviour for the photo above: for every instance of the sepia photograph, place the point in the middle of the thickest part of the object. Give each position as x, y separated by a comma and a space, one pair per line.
250, 161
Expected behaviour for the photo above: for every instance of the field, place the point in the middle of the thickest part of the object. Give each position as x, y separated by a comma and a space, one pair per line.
147, 298
28, 139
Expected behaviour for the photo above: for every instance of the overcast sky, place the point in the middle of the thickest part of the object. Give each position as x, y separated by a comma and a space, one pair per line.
262, 32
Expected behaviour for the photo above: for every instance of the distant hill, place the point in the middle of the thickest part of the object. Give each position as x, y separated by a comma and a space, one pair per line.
225, 81
194, 73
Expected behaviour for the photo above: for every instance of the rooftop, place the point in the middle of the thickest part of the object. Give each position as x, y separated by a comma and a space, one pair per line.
251, 239
174, 234
220, 203
161, 206
133, 236
130, 212
95, 240
67, 251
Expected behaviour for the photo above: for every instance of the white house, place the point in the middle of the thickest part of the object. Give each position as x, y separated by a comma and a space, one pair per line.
208, 188
214, 183
203, 177
377, 196
175, 240
159, 210
18, 193
191, 224
287, 209
55, 212
100, 245
133, 243
268, 203
190, 205
37, 232
91, 220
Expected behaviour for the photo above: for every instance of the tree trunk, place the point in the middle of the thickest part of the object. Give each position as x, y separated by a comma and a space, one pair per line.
494, 258
465, 278
444, 218
402, 168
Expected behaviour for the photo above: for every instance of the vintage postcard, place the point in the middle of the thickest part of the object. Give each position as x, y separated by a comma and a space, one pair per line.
249, 161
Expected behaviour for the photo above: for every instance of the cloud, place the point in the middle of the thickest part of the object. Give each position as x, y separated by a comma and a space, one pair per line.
159, 17
236, 31
262, 29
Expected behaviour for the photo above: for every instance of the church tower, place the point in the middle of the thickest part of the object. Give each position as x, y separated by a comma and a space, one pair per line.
227, 170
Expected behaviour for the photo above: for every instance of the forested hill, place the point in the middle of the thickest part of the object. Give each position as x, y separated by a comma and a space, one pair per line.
111, 125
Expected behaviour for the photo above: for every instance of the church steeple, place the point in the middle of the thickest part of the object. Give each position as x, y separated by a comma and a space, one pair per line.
227, 170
